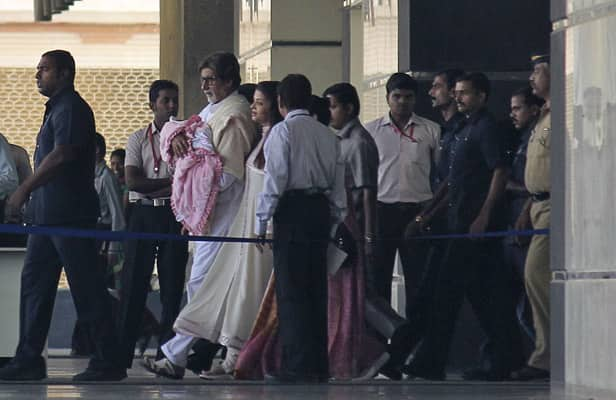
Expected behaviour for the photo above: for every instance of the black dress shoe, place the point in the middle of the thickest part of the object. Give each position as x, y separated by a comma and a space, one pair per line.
204, 353
102, 375
16, 371
529, 373
391, 371
402, 343
413, 372
482, 374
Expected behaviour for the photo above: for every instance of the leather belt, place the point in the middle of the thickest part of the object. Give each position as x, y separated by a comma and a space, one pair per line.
153, 202
541, 196
304, 192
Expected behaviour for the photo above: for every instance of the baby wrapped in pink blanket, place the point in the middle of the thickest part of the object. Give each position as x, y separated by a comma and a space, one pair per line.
196, 176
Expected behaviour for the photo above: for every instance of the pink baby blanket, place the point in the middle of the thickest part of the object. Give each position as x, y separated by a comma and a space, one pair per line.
196, 176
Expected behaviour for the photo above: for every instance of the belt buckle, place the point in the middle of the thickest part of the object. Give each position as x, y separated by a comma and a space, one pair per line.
159, 202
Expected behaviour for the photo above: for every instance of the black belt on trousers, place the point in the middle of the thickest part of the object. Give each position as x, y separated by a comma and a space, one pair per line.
153, 202
304, 192
541, 196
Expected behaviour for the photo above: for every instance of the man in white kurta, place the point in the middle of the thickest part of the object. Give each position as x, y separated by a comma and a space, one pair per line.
228, 114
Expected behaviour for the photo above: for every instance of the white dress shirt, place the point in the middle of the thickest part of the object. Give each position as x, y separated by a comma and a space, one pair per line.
22, 162
301, 154
405, 158
209, 110
8, 171
141, 153
109, 200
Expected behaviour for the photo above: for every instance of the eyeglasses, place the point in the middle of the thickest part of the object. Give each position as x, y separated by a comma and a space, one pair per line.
208, 79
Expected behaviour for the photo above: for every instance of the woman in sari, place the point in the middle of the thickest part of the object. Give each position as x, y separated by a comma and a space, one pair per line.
352, 351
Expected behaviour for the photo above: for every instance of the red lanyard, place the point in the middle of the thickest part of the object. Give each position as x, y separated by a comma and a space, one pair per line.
157, 159
402, 133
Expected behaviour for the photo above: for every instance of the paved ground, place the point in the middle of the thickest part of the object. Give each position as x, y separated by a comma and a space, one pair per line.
142, 385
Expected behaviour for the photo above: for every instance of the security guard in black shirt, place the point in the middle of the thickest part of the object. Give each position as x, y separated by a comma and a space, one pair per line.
471, 267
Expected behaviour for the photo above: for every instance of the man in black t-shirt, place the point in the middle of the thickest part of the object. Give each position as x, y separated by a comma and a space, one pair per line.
61, 193
472, 268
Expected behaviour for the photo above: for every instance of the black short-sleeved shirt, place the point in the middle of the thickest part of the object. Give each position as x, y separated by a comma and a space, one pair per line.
70, 197
447, 131
476, 150
516, 199
518, 164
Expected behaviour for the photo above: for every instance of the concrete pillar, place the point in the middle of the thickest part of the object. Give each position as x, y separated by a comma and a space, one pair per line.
189, 31
353, 46
583, 213
307, 38
279, 37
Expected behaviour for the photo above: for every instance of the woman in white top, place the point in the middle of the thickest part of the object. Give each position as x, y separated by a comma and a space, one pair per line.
229, 298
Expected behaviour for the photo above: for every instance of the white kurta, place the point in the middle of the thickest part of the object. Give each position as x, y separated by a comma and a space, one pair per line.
226, 305
205, 253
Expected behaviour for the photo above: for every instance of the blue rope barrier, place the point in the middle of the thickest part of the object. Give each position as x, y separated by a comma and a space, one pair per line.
528, 232
120, 236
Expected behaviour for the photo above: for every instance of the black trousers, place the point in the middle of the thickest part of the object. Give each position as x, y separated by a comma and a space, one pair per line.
171, 257
392, 220
473, 269
515, 257
301, 230
45, 257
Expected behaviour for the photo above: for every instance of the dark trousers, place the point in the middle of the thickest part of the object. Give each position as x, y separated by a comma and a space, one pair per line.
392, 220
81, 342
473, 269
301, 230
45, 257
171, 257
418, 312
515, 257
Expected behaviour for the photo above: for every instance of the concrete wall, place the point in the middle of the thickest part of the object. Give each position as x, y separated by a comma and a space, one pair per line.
279, 37
307, 38
583, 219
189, 31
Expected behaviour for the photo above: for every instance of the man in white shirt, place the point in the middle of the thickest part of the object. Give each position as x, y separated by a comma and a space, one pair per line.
304, 193
109, 199
408, 148
149, 180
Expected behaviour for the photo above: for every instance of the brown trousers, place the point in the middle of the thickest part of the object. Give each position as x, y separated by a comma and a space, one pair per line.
537, 276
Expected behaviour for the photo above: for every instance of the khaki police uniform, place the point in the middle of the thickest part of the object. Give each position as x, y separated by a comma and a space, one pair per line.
537, 271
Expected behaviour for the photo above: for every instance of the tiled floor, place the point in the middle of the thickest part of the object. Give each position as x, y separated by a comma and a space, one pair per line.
142, 385
257, 392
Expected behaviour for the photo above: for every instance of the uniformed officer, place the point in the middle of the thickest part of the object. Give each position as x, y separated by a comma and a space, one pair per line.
525, 109
537, 211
